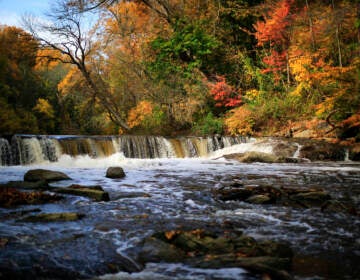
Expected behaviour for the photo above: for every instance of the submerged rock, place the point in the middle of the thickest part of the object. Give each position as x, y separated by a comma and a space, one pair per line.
54, 217
10, 197
94, 192
296, 197
259, 199
38, 185
339, 207
200, 248
311, 198
35, 175
115, 172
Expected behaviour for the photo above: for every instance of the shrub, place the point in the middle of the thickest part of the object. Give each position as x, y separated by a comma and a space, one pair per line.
240, 121
209, 125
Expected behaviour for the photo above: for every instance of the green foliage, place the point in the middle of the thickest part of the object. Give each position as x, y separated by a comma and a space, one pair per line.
185, 50
154, 123
209, 125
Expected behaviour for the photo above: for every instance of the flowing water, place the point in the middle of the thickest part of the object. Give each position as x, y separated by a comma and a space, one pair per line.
165, 192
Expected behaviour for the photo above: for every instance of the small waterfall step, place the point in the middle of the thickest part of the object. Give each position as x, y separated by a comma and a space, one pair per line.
29, 149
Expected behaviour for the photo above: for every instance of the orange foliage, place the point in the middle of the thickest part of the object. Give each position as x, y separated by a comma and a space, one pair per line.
139, 113
240, 121
132, 25
353, 121
273, 30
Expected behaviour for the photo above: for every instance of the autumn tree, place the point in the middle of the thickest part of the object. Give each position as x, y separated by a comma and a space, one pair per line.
75, 42
19, 85
273, 34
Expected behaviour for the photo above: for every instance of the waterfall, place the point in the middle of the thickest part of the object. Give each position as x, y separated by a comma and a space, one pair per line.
5, 152
32, 149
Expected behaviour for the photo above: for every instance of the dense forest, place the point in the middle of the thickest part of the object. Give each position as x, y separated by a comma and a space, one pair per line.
184, 67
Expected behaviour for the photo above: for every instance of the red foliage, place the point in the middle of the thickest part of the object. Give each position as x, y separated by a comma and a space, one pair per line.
224, 94
276, 63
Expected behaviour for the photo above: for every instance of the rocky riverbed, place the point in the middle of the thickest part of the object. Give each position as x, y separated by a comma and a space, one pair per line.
183, 219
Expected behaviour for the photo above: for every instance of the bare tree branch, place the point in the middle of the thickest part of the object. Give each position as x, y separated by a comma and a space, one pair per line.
65, 34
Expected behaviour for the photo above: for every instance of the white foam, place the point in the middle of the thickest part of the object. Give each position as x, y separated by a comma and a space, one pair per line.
243, 148
175, 271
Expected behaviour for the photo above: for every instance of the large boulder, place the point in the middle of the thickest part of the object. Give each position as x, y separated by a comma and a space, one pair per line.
35, 175
354, 152
250, 157
322, 150
115, 172
285, 148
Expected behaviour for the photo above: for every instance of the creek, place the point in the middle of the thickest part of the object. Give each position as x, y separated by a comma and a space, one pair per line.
170, 188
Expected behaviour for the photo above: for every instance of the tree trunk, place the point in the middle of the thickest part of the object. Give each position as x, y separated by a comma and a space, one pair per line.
287, 68
337, 35
114, 115
311, 27
358, 25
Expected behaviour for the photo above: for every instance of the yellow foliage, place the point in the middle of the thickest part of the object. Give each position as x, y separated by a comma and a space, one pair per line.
47, 59
72, 79
43, 106
300, 89
240, 121
252, 94
139, 113
300, 66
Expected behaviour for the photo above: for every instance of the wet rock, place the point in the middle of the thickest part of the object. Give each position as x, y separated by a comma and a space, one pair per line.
338, 207
35, 175
115, 172
322, 150
250, 157
296, 160
275, 249
156, 250
231, 193
205, 249
259, 157
38, 185
354, 152
95, 192
125, 195
259, 199
284, 149
286, 196
10, 197
53, 217
311, 198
